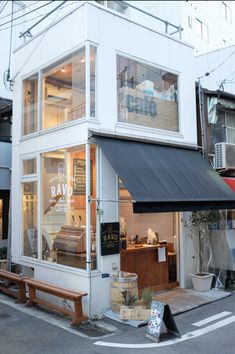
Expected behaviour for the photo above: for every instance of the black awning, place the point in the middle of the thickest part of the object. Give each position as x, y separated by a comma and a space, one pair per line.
165, 178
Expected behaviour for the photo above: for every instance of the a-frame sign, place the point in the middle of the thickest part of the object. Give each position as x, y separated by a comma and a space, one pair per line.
160, 313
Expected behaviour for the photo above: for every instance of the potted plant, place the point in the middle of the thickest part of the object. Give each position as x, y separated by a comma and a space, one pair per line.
200, 220
134, 309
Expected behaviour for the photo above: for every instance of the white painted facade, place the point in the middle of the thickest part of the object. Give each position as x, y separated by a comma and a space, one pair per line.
112, 34
217, 16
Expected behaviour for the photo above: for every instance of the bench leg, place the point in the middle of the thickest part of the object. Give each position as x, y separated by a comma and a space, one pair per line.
78, 318
32, 296
22, 294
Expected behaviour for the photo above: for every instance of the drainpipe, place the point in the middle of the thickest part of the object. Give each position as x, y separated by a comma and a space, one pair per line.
201, 116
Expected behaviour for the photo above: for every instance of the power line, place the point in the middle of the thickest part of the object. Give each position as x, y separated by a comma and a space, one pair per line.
12, 10
217, 67
3, 7
36, 46
31, 19
18, 10
5, 23
27, 32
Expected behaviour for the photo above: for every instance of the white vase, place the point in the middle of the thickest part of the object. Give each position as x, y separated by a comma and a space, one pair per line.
202, 282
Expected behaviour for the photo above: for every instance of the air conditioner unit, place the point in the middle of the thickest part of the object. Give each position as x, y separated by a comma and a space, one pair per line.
224, 156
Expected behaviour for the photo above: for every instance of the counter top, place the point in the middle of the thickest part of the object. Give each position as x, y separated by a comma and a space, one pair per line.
141, 247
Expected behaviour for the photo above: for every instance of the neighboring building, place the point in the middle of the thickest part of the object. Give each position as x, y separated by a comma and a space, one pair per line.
207, 25
5, 167
105, 128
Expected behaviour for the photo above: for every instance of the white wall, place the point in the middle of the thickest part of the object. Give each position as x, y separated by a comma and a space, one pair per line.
112, 34
220, 65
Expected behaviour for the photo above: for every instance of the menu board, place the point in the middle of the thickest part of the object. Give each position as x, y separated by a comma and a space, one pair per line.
155, 321
160, 313
79, 174
110, 239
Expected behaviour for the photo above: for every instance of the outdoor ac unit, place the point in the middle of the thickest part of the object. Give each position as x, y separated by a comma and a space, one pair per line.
224, 156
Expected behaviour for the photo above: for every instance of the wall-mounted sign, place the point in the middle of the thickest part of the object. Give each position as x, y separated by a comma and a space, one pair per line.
110, 239
79, 174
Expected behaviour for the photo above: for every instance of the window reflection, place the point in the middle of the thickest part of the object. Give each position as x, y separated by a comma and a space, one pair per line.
30, 90
64, 96
147, 96
63, 220
30, 219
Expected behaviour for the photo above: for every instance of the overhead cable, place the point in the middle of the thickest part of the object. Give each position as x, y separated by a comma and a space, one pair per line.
18, 10
2, 24
3, 7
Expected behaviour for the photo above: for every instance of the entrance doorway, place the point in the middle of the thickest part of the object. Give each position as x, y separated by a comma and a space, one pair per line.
149, 245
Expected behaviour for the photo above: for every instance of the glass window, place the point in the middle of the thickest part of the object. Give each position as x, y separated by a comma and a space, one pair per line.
30, 231
227, 12
202, 30
63, 220
30, 90
64, 96
92, 80
5, 127
190, 22
147, 96
230, 127
29, 167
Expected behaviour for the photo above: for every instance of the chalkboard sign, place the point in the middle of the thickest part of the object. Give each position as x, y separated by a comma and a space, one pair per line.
110, 239
79, 174
160, 313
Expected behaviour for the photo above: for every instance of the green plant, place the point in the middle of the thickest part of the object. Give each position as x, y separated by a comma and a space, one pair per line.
128, 299
147, 296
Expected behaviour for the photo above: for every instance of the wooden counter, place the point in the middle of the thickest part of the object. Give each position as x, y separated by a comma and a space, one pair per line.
144, 262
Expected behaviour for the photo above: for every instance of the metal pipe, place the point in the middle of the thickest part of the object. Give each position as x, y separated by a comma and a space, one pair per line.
27, 32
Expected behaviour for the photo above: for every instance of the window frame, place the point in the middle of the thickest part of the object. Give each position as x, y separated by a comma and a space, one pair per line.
87, 46
27, 179
202, 27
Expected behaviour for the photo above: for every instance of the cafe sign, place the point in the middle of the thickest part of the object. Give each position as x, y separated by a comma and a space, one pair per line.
145, 106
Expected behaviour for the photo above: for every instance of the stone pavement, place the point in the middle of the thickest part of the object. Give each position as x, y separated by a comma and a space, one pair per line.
182, 300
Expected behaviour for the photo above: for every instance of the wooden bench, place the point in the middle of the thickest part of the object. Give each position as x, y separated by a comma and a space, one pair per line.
76, 297
16, 279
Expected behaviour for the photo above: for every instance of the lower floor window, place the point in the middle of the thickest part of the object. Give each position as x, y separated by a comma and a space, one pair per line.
30, 232
63, 211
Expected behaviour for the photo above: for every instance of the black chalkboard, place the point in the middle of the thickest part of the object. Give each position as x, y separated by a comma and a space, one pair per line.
160, 313
110, 238
79, 175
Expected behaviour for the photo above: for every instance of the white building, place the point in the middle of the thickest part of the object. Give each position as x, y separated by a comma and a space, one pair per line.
104, 127
207, 25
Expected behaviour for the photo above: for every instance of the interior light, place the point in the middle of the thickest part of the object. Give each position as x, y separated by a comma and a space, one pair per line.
82, 60
63, 70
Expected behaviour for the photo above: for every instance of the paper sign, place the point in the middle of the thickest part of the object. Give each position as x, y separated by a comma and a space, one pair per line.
162, 254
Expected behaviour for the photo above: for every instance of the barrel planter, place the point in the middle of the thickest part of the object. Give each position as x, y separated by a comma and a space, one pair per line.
124, 282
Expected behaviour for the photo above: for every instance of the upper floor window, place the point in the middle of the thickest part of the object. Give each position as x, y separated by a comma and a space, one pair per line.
224, 128
227, 12
190, 22
64, 91
30, 114
202, 30
147, 96
114, 5
62, 95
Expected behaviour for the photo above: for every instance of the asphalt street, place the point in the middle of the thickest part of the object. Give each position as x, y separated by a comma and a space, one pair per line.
207, 329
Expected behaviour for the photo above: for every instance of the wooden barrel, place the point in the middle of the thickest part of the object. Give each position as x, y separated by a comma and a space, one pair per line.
126, 282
